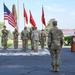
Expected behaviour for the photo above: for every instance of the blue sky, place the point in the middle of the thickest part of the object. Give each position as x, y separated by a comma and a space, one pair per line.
62, 10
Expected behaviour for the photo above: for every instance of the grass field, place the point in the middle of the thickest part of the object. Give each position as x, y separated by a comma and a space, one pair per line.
10, 42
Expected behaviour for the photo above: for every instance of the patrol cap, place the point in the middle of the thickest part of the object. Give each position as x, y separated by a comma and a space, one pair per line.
25, 27
4, 26
54, 22
35, 27
42, 30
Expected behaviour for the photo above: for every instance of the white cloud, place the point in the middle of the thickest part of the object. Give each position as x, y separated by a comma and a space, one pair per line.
55, 8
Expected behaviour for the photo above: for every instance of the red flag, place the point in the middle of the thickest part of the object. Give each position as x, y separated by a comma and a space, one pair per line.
25, 14
43, 18
9, 16
32, 20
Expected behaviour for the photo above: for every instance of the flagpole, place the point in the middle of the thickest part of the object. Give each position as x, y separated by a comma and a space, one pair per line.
23, 13
30, 23
42, 25
24, 22
18, 14
42, 16
3, 11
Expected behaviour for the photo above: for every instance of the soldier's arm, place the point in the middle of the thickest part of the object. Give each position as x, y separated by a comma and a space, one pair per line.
32, 35
7, 32
2, 31
17, 33
61, 40
22, 35
39, 37
28, 35
49, 39
45, 36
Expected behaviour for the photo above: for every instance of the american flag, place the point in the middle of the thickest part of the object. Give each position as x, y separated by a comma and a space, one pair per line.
9, 16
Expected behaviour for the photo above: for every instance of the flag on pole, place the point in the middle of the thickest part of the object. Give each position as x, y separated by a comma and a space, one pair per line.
32, 20
25, 14
9, 16
43, 17
14, 14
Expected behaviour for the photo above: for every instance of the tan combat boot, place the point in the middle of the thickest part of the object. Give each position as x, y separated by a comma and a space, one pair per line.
56, 68
53, 69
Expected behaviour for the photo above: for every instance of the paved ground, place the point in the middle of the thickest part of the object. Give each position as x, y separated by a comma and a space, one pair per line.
36, 65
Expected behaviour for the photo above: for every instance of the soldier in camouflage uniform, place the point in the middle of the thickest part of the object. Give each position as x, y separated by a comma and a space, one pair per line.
55, 42
15, 38
22, 40
4, 37
35, 35
42, 38
32, 42
25, 37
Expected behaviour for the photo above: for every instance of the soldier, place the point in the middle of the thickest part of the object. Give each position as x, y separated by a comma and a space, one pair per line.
35, 35
4, 37
25, 37
22, 40
15, 38
32, 42
42, 39
55, 42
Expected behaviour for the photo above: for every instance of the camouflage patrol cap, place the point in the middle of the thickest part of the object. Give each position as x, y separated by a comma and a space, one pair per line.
25, 27
54, 22
42, 30
35, 27
4, 26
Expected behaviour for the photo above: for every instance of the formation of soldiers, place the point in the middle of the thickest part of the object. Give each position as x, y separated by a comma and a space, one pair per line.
55, 41
34, 36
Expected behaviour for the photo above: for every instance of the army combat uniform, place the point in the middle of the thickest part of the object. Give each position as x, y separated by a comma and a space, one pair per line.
25, 37
55, 42
32, 41
42, 39
35, 35
4, 38
15, 39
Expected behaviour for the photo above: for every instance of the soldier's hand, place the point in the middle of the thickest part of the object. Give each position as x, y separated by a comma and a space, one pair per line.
49, 46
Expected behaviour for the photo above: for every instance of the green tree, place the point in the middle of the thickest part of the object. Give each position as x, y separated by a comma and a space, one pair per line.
1, 25
10, 36
49, 26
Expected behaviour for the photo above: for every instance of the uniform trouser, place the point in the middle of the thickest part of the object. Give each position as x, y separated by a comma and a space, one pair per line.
42, 43
5, 43
15, 44
32, 44
55, 57
22, 44
35, 45
25, 44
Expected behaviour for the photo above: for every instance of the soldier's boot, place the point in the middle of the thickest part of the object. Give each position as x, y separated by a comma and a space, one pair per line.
42, 47
32, 48
35, 50
56, 68
5, 48
53, 69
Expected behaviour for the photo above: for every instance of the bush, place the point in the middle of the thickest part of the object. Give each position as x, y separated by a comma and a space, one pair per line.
67, 40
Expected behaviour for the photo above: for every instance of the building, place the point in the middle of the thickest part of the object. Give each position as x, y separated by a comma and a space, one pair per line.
68, 32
